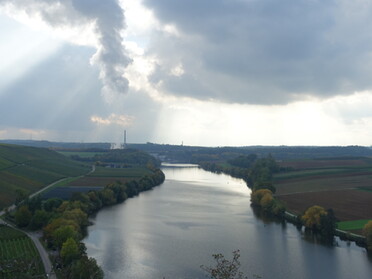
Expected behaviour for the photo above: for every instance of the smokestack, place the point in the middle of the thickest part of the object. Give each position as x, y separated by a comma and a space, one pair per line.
125, 139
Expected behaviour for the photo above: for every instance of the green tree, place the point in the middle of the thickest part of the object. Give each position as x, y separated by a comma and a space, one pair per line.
86, 268
52, 203
63, 233
69, 251
367, 232
55, 225
107, 196
328, 224
39, 219
23, 216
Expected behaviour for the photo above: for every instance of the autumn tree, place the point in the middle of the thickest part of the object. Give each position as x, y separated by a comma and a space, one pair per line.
264, 198
367, 232
55, 225
77, 215
258, 195
312, 217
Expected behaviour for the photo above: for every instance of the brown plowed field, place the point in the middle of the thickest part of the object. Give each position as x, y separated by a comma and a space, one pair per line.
324, 182
347, 204
310, 164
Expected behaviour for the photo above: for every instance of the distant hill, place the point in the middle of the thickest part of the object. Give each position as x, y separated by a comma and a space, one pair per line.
196, 154
25, 169
58, 145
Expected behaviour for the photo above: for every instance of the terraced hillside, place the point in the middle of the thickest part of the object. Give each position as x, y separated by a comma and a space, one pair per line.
27, 169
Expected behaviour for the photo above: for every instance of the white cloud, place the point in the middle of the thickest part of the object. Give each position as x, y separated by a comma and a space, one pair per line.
121, 120
106, 19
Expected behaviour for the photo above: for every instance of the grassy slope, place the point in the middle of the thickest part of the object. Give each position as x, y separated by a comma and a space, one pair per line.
30, 168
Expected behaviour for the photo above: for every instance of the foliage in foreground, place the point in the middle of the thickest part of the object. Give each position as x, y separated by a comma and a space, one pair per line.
224, 268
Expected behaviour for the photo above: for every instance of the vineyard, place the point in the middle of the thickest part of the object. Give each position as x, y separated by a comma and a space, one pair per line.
18, 255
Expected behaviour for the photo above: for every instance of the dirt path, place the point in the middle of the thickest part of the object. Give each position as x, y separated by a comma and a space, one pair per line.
43, 254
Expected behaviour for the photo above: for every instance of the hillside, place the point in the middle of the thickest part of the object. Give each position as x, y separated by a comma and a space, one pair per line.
26, 169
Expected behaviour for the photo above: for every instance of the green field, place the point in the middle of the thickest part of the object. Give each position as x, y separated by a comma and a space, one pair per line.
104, 176
368, 189
18, 255
81, 154
120, 172
352, 225
310, 172
29, 169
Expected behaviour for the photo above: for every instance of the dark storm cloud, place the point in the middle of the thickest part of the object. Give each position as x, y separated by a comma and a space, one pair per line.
109, 21
264, 51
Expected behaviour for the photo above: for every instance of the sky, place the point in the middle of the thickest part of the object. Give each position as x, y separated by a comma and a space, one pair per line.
197, 72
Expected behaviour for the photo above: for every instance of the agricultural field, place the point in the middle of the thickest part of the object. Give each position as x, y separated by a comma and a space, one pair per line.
28, 169
18, 255
348, 205
81, 154
130, 172
325, 174
65, 192
103, 176
328, 163
343, 184
352, 225
97, 180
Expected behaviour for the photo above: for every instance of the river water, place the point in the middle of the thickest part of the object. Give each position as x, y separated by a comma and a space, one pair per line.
170, 231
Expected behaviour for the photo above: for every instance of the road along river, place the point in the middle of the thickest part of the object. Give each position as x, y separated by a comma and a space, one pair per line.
173, 229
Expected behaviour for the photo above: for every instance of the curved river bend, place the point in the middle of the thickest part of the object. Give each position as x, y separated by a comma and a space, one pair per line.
173, 229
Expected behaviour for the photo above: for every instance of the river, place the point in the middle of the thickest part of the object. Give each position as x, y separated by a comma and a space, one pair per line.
170, 231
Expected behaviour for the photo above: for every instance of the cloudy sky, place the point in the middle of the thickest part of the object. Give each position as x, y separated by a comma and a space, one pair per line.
201, 72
